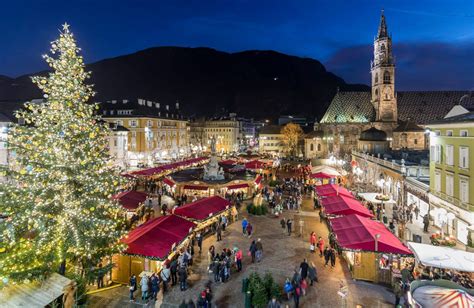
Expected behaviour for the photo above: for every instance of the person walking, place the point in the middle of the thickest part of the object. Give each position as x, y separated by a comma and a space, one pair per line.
296, 295
397, 290
312, 274
249, 229
288, 226
283, 224
273, 303
132, 286
155, 286
327, 255
238, 258
333, 257
165, 277
259, 252
144, 287
253, 250
183, 276
100, 277
426, 222
417, 212
224, 222
219, 232
174, 269
288, 288
312, 242
244, 226
199, 241
321, 246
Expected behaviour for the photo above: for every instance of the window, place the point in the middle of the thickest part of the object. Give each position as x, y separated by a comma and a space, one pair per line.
449, 155
386, 77
449, 185
437, 183
132, 123
437, 133
115, 142
464, 190
449, 133
376, 78
435, 153
415, 141
311, 147
463, 133
149, 123
319, 147
464, 157
119, 122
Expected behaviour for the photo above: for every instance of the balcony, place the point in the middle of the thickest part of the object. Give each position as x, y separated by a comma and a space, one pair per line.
453, 200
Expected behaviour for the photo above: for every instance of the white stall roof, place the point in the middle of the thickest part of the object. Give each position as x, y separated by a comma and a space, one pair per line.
443, 257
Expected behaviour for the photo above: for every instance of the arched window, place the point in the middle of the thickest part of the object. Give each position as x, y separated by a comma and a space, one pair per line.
311, 147
382, 47
376, 93
386, 77
319, 147
376, 79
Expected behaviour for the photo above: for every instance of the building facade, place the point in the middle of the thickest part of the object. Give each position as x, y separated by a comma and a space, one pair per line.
314, 145
271, 140
350, 113
156, 133
452, 174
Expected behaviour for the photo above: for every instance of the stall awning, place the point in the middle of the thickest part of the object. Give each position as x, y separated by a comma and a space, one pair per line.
332, 190
203, 209
228, 162
322, 175
355, 232
344, 205
155, 238
34, 294
195, 187
237, 186
168, 167
258, 179
254, 164
372, 198
443, 257
168, 182
130, 199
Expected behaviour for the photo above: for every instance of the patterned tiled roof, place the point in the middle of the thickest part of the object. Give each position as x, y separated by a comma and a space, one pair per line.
350, 107
421, 107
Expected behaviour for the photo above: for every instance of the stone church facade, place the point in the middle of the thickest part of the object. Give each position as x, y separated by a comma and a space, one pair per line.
401, 115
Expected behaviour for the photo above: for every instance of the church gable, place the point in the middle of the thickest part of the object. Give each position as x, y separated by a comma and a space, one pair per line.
350, 107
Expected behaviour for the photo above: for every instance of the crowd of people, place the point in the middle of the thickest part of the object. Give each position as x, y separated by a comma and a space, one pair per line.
297, 286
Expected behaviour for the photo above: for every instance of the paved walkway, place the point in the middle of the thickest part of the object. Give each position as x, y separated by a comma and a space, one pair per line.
282, 253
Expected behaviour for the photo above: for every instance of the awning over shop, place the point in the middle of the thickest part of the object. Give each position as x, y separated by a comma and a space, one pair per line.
443, 257
332, 190
131, 199
254, 164
440, 293
355, 232
195, 187
258, 179
325, 169
203, 209
34, 294
168, 167
155, 238
344, 205
237, 186
228, 162
168, 182
322, 175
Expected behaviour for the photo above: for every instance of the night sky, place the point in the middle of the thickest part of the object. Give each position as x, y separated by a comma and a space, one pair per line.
433, 39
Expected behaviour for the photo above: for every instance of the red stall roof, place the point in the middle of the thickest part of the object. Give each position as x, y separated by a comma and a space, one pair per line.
203, 208
155, 238
237, 186
195, 187
168, 182
332, 190
228, 162
130, 199
258, 179
254, 164
355, 232
322, 175
344, 205
156, 170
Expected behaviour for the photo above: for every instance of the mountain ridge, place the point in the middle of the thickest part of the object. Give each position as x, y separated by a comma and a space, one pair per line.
206, 81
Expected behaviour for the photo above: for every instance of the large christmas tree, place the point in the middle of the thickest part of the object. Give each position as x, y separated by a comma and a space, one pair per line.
57, 198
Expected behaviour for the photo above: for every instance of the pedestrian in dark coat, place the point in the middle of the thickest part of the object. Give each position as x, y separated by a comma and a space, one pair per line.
288, 225
155, 286
253, 250
333, 257
132, 286
304, 269
327, 255
183, 276
174, 271
312, 273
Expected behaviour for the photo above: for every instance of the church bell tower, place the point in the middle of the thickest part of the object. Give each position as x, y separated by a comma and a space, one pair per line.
384, 97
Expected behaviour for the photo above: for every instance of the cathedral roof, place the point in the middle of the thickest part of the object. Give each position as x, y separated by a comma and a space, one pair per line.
408, 126
421, 107
315, 134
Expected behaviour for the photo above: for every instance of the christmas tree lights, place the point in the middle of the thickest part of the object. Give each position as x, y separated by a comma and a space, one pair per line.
58, 195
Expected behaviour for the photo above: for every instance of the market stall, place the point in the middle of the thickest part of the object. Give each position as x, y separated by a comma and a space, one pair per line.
321, 178
344, 205
168, 168
372, 251
150, 244
376, 198
255, 165
205, 212
197, 190
131, 200
332, 190
439, 294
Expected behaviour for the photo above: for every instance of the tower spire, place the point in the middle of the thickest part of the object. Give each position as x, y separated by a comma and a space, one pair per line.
382, 27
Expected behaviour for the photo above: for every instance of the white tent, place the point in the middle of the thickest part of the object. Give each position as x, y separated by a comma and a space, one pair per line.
443, 257
325, 169
371, 198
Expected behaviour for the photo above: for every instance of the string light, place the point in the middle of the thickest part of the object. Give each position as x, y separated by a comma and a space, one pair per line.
57, 197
